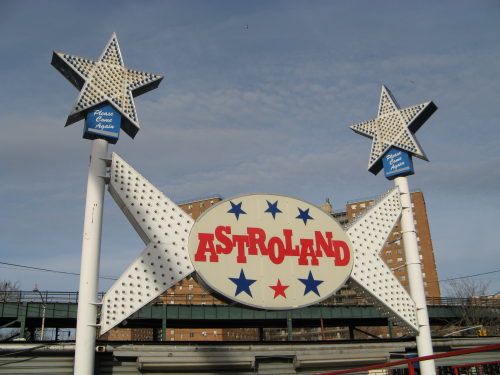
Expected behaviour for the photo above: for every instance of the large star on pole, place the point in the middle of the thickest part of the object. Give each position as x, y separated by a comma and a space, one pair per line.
394, 127
105, 80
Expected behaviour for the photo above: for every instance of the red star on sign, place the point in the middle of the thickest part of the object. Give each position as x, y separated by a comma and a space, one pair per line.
279, 289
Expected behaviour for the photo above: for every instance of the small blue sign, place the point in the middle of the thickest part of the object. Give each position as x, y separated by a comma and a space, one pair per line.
397, 163
102, 122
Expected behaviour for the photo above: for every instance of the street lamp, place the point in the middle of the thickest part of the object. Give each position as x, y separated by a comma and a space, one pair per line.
43, 314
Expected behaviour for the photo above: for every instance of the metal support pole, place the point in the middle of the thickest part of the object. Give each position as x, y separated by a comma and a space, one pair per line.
424, 339
289, 325
21, 316
43, 322
164, 322
91, 251
391, 329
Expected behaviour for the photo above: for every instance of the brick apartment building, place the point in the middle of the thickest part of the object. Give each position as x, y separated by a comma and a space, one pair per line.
188, 291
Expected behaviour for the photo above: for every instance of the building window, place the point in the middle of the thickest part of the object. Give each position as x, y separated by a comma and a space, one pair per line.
180, 287
215, 333
202, 204
211, 203
418, 239
396, 234
191, 335
388, 252
427, 293
420, 248
398, 242
203, 295
180, 336
227, 333
421, 257
416, 230
399, 251
191, 214
191, 296
353, 214
415, 222
172, 332
354, 207
425, 284
389, 261
412, 205
172, 339
362, 205
401, 270
423, 275
400, 260
190, 207
204, 334
403, 277
191, 287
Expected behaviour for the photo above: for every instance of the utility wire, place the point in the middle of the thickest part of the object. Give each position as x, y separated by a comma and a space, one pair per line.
463, 277
46, 270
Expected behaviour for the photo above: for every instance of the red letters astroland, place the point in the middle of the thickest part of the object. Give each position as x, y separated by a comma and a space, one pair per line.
270, 252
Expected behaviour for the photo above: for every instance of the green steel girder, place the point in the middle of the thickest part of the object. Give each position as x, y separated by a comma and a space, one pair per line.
63, 315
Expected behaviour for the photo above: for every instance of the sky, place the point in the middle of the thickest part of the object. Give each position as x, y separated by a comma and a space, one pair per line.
243, 110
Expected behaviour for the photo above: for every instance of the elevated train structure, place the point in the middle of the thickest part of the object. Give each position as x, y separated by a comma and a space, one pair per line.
25, 310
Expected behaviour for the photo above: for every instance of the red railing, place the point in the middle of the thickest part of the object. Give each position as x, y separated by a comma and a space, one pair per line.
410, 361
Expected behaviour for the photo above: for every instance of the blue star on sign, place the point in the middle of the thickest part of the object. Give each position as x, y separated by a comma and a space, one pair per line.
273, 208
311, 284
243, 284
304, 215
236, 209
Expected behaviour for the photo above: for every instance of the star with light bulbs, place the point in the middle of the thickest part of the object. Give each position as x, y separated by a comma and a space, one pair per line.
394, 127
105, 80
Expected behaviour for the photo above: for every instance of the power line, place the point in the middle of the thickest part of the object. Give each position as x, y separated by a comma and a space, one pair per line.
463, 277
53, 271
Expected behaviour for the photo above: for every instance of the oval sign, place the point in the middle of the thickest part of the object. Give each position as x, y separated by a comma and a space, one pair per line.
270, 252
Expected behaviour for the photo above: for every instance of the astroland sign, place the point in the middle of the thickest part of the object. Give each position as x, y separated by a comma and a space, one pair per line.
270, 252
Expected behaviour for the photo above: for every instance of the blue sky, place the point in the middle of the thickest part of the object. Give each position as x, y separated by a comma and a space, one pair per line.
263, 109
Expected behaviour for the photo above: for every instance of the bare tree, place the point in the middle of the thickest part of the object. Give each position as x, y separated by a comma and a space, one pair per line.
9, 293
8, 290
474, 306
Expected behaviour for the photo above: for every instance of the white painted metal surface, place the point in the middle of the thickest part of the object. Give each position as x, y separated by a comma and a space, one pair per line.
414, 267
163, 227
91, 251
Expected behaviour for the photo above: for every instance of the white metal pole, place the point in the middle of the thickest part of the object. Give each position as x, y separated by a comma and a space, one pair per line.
424, 339
91, 251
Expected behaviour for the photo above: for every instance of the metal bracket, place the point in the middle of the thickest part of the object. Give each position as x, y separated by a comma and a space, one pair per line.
106, 179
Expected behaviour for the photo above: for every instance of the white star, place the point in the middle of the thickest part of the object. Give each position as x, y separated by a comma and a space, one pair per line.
164, 227
370, 276
106, 79
394, 127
